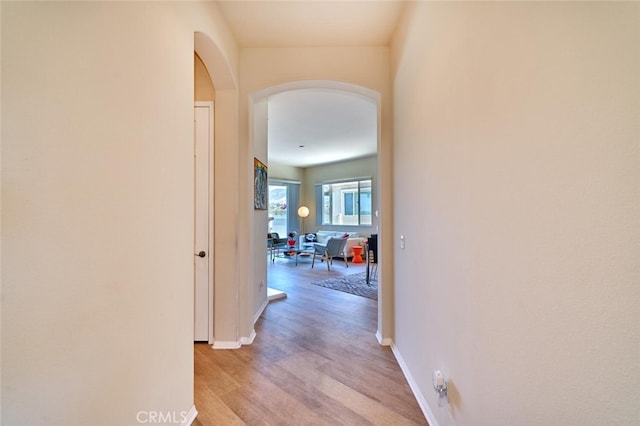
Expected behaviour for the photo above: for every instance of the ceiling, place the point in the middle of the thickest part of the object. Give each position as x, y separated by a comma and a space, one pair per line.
304, 23
330, 125
317, 126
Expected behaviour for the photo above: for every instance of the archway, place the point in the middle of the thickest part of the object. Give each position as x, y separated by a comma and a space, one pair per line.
225, 286
258, 113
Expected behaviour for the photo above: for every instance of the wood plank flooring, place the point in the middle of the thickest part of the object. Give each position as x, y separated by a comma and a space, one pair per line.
315, 361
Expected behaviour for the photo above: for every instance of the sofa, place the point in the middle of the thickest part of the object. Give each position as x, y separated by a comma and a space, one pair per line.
353, 239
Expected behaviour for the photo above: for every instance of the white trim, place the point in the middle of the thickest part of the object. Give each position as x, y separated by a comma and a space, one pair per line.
212, 213
190, 416
294, 182
273, 294
261, 310
248, 340
211, 202
346, 180
422, 402
329, 85
222, 344
383, 341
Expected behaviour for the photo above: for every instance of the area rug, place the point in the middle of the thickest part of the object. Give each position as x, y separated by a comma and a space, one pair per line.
354, 284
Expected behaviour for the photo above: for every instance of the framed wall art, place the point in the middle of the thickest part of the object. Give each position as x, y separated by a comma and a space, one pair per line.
261, 186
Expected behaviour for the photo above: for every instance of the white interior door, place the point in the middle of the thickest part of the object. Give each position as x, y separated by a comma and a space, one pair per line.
203, 237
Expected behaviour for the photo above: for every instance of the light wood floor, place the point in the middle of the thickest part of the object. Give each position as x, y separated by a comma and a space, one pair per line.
315, 361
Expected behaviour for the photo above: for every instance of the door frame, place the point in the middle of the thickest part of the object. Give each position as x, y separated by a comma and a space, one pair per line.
210, 248
384, 333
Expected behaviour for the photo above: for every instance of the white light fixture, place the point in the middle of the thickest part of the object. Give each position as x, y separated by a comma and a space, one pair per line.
303, 211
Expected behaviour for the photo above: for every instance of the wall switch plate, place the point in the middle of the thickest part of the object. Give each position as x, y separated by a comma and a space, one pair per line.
402, 242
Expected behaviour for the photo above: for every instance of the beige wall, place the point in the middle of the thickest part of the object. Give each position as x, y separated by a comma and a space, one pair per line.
263, 68
203, 90
259, 148
362, 167
216, 47
516, 182
97, 220
284, 172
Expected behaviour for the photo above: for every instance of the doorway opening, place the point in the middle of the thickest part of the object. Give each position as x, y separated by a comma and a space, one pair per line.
203, 220
334, 164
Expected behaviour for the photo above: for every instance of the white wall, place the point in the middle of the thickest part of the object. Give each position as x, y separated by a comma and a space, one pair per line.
516, 181
97, 220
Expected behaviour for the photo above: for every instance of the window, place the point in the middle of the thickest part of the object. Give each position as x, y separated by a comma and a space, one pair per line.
345, 203
283, 194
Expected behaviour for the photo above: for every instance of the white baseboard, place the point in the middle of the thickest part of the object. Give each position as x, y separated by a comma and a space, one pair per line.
232, 344
221, 344
273, 294
243, 340
248, 340
386, 341
261, 310
190, 416
422, 402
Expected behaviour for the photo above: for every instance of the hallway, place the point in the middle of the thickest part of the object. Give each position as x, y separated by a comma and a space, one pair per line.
315, 360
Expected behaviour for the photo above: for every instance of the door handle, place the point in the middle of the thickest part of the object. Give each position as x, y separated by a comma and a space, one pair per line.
201, 254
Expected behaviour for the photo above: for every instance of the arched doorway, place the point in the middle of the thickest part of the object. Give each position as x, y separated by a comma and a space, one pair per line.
258, 115
225, 169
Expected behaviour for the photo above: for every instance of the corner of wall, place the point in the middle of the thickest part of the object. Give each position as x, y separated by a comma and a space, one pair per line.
383, 341
422, 402
249, 339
